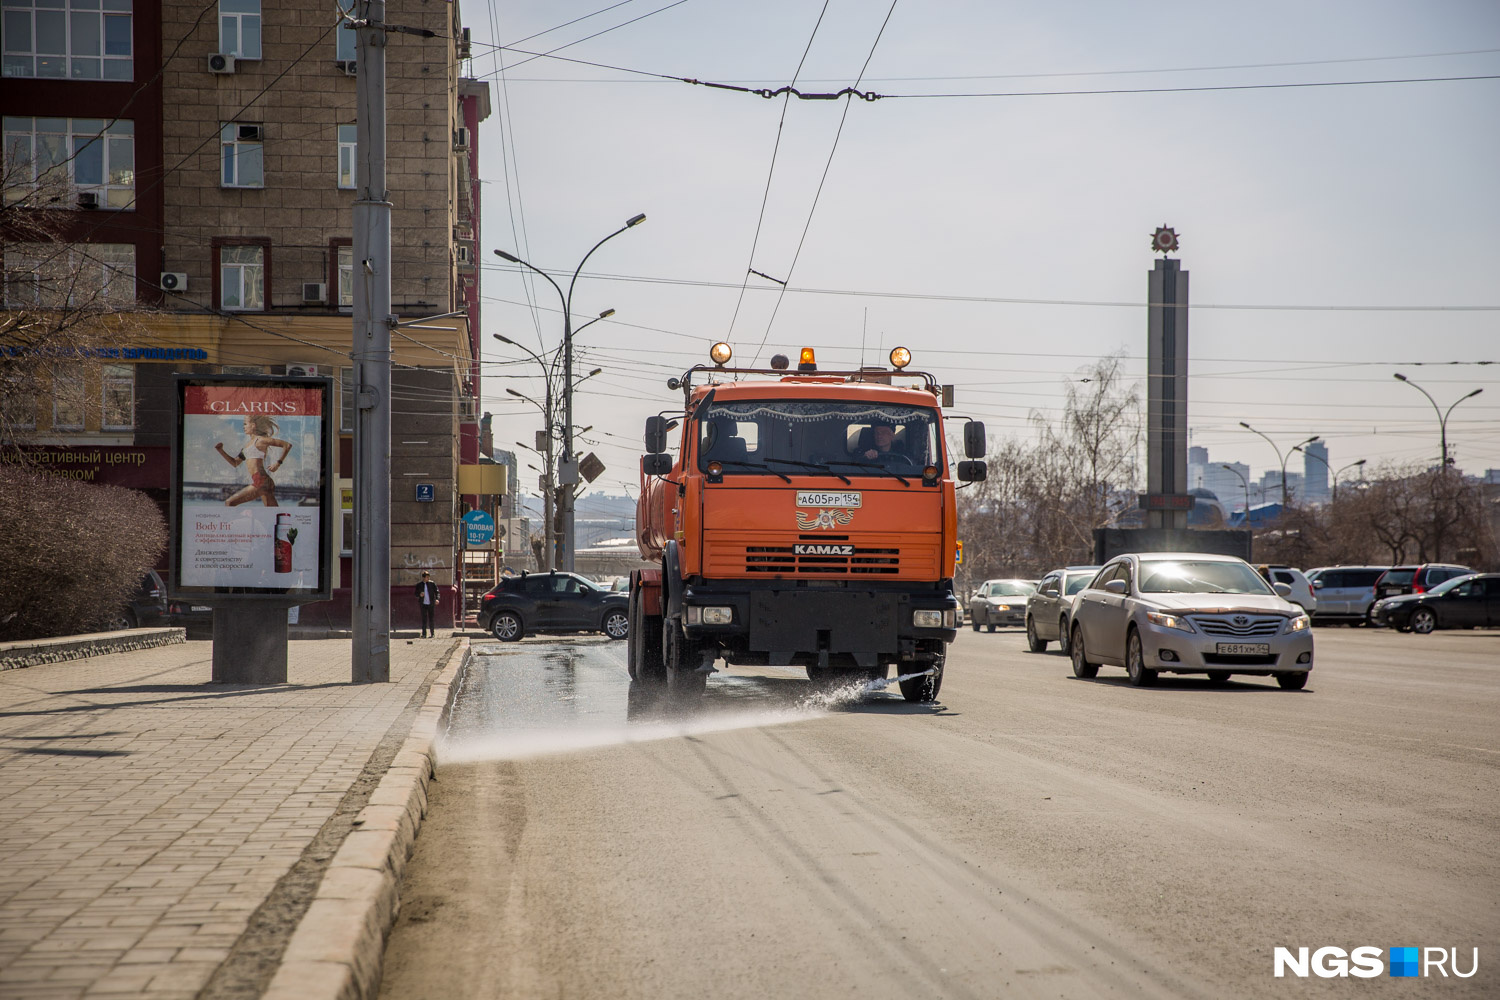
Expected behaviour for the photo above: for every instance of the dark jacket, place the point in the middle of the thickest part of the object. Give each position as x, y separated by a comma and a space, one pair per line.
431, 587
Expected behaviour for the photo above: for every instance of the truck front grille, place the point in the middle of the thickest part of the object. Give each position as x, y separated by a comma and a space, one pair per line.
783, 559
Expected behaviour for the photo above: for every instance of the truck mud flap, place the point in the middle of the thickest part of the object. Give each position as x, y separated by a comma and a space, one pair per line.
787, 622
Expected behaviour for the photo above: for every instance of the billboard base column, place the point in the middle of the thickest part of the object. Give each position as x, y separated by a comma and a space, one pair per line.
250, 644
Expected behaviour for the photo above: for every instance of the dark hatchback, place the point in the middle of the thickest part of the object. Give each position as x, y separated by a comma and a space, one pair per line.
552, 602
1463, 602
1415, 579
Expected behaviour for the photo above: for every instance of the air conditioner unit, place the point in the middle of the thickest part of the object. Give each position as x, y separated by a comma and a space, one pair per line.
461, 252
315, 292
88, 199
250, 133
302, 370
349, 66
461, 138
221, 62
173, 281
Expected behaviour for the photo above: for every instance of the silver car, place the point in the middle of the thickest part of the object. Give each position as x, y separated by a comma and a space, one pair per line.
1189, 613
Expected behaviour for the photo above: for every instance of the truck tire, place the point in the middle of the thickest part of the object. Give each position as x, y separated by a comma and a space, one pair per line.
643, 645
681, 658
925, 687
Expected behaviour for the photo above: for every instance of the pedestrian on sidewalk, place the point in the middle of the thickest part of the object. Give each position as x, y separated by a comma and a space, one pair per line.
427, 598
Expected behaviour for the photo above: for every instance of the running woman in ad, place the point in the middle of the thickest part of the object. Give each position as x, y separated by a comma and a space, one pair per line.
260, 431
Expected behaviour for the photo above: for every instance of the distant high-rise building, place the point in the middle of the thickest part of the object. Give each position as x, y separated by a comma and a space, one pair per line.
1228, 485
1315, 472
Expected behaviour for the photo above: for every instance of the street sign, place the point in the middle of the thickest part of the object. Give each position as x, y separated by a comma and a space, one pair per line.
591, 467
479, 527
959, 560
426, 492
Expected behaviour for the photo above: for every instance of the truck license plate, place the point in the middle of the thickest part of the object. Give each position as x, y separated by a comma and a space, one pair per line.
819, 498
1244, 649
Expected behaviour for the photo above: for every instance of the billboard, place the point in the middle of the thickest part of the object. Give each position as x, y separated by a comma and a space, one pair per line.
252, 475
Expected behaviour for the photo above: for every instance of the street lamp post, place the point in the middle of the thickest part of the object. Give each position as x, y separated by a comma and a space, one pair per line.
1285, 496
1245, 482
1442, 415
568, 469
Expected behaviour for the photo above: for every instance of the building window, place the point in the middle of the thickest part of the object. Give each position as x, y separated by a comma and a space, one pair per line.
77, 276
346, 277
17, 410
243, 157
242, 278
346, 155
239, 28
345, 45
346, 400
118, 398
67, 402
68, 39
70, 162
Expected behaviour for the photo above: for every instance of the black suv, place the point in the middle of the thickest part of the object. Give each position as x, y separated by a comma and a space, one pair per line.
552, 602
147, 607
1416, 579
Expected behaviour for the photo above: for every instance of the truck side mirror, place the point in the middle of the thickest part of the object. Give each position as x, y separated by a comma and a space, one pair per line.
972, 472
656, 434
974, 443
656, 465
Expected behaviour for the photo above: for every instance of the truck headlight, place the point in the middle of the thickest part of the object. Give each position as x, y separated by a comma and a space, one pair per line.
1169, 621
708, 616
933, 619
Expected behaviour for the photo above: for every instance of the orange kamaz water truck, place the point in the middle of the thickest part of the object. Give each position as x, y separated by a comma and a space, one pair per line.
807, 519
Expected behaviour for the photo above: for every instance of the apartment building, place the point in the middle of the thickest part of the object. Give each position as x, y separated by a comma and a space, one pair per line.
206, 161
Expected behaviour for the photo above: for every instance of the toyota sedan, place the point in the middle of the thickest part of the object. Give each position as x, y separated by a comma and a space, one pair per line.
1189, 613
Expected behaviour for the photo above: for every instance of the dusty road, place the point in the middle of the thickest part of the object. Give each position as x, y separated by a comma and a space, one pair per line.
1034, 835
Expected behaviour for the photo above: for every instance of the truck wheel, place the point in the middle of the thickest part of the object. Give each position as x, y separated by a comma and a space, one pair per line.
1036, 645
643, 649
1081, 665
924, 687
682, 657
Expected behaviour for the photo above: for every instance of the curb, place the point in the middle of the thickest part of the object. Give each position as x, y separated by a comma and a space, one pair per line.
35, 652
337, 950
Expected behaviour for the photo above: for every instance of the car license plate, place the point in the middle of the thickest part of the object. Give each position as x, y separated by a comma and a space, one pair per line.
820, 498
1244, 649
201, 607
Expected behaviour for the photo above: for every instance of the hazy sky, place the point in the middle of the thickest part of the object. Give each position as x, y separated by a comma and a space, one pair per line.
1374, 210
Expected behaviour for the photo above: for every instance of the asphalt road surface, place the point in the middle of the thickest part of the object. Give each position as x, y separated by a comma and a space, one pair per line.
1031, 835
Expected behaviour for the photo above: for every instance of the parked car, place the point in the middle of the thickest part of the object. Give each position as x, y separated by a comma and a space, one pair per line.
1000, 602
1189, 613
552, 602
146, 608
1462, 602
1302, 592
1345, 593
1048, 610
1416, 579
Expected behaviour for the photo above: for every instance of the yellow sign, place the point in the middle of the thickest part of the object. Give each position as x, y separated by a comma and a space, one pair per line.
482, 480
960, 560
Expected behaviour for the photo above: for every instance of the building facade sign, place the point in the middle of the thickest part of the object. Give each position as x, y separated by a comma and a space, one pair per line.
107, 465
252, 483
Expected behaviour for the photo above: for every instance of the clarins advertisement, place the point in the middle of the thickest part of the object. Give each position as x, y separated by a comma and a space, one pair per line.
251, 486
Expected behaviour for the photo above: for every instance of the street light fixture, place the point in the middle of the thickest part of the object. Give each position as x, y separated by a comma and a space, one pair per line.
1442, 416
1285, 496
1342, 468
1245, 482
566, 494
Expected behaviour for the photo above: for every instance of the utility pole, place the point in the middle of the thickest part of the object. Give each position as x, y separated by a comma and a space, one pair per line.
371, 605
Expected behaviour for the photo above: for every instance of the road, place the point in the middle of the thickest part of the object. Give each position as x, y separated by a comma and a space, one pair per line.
1031, 835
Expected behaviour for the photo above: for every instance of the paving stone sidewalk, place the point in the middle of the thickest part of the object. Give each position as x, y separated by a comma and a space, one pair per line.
159, 834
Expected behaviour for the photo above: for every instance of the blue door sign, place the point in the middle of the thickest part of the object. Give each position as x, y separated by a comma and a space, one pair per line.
480, 527
426, 492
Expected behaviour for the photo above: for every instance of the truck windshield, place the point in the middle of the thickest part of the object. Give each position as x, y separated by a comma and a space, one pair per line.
765, 436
